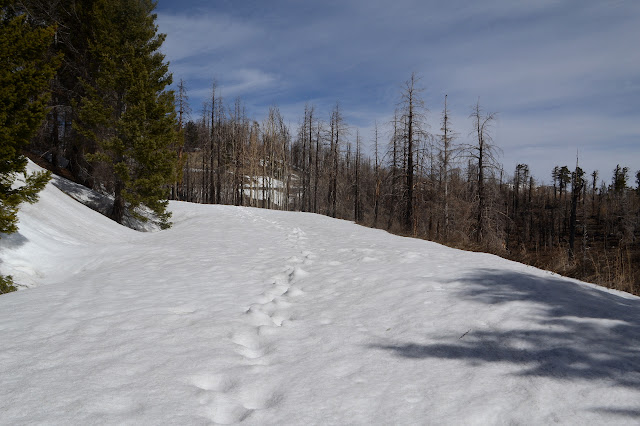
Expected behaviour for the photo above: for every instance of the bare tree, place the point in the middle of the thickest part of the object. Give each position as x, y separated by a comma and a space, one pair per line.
184, 112
338, 131
446, 156
484, 152
394, 195
357, 203
413, 116
378, 180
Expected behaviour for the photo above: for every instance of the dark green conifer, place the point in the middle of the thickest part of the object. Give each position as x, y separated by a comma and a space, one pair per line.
25, 72
128, 110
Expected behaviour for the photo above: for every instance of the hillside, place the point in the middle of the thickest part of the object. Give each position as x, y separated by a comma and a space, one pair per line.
268, 317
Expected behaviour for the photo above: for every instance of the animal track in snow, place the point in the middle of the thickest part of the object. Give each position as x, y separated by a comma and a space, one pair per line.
247, 339
295, 259
308, 257
280, 317
270, 313
289, 275
297, 274
225, 409
227, 402
257, 398
293, 292
258, 318
297, 234
213, 382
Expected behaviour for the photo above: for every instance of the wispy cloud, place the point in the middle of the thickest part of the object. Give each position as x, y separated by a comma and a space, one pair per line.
563, 74
245, 81
194, 36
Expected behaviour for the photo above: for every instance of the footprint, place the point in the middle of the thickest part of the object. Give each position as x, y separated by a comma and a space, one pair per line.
260, 398
308, 257
249, 344
279, 303
280, 317
265, 298
297, 274
268, 330
226, 410
213, 382
280, 289
282, 279
247, 339
293, 292
272, 313
258, 317
250, 353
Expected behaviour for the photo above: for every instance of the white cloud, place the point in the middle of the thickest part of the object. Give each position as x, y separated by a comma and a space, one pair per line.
189, 36
246, 81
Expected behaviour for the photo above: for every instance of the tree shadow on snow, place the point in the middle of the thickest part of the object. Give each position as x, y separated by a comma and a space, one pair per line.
89, 198
579, 333
11, 241
103, 204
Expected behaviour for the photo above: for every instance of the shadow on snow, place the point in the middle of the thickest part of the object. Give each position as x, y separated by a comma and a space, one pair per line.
580, 332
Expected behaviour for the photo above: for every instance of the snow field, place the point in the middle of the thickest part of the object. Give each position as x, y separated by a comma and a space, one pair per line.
241, 315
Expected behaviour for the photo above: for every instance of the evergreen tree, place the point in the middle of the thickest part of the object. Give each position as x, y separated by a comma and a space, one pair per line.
73, 28
25, 72
620, 179
128, 110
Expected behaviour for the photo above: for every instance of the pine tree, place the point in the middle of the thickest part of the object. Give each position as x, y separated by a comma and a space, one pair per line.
127, 110
25, 72
620, 179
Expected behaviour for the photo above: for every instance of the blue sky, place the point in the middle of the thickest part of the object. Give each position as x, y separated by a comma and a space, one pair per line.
562, 75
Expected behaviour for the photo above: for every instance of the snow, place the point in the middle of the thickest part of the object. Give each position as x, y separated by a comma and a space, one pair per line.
260, 188
102, 203
241, 315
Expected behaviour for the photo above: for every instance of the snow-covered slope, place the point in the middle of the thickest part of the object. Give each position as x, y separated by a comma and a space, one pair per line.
267, 317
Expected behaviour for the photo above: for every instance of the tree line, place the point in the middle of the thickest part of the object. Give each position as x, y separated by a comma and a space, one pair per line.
105, 117
415, 183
